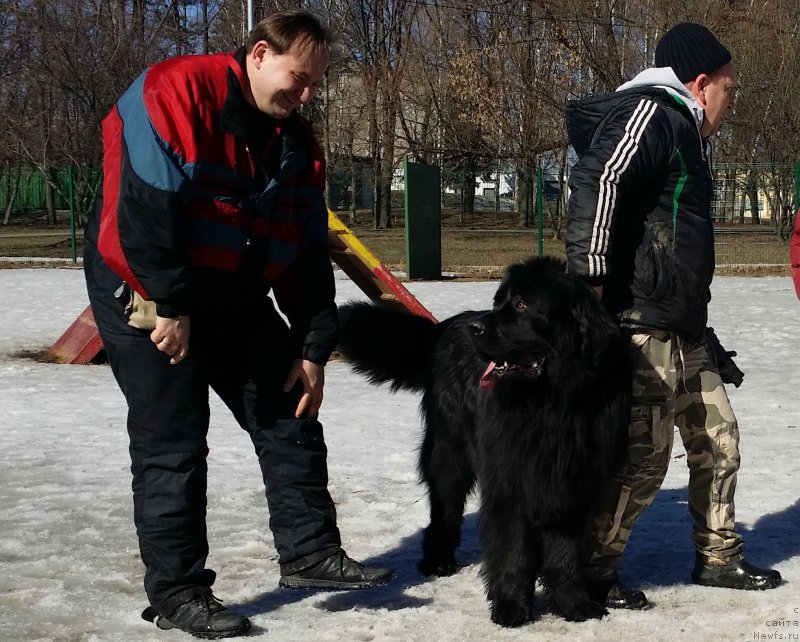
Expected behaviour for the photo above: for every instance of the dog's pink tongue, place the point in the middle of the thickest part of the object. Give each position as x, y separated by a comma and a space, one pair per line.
487, 378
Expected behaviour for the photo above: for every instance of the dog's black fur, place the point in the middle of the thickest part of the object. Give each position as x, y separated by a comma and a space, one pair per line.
540, 436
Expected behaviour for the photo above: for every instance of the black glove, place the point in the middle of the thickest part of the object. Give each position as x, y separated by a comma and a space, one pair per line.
728, 371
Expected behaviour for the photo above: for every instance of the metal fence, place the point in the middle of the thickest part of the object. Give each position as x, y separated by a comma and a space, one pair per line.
485, 252
753, 214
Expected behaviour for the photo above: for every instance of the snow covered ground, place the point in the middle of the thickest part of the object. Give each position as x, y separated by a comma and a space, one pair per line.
69, 567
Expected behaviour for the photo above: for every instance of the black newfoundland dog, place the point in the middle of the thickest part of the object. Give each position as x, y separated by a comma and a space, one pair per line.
530, 401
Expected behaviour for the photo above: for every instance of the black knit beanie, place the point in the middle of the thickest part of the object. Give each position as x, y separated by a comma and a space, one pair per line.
691, 49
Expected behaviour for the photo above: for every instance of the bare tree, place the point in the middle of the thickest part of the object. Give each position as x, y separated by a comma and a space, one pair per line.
469, 85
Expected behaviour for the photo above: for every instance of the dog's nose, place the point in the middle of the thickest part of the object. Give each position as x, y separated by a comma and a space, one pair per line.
477, 327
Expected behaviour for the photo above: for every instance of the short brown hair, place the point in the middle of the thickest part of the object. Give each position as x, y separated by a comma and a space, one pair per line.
284, 29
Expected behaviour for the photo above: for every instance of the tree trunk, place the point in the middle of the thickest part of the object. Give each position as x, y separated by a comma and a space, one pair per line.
377, 196
374, 150
526, 195
138, 19
12, 193
468, 188
49, 200
729, 197
353, 195
387, 148
741, 211
557, 219
385, 221
206, 48
752, 192
497, 193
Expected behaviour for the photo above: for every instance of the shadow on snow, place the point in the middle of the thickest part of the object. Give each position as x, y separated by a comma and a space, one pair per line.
660, 553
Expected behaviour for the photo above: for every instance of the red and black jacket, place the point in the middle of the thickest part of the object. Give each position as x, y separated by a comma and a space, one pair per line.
199, 186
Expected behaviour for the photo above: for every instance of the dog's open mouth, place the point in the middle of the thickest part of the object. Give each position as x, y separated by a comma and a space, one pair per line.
495, 371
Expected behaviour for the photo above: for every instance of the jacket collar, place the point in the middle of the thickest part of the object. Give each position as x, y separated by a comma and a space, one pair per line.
665, 78
234, 109
237, 116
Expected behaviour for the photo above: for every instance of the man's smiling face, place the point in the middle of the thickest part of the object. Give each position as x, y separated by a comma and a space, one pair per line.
280, 83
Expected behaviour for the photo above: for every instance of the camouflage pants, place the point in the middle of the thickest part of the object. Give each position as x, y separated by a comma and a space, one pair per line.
675, 384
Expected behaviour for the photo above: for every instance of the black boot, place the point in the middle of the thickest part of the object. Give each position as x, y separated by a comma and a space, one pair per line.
337, 572
614, 595
203, 616
735, 575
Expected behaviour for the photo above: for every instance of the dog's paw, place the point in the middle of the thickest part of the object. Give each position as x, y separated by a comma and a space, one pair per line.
437, 567
574, 604
593, 610
583, 610
510, 614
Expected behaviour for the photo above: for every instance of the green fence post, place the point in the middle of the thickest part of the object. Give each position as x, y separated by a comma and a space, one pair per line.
423, 210
539, 212
71, 214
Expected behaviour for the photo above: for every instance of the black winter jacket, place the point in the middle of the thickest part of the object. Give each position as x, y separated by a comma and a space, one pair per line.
639, 218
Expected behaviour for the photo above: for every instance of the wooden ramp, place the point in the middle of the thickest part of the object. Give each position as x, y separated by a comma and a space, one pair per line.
81, 342
366, 271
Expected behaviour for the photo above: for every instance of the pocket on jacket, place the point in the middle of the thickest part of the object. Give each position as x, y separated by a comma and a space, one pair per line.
653, 278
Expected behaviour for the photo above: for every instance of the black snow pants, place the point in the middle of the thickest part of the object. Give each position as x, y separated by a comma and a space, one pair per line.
243, 353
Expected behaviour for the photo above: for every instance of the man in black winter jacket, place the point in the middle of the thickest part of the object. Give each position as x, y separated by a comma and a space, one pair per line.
640, 232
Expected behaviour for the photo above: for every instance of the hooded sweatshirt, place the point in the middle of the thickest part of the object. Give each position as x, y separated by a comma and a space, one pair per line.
639, 219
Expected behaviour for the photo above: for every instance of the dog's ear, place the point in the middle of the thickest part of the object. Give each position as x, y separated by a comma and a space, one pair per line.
502, 292
504, 289
598, 330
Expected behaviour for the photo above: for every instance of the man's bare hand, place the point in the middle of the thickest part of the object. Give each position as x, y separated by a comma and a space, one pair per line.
171, 336
312, 376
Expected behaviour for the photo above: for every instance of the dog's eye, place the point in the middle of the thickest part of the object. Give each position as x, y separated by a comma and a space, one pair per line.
520, 304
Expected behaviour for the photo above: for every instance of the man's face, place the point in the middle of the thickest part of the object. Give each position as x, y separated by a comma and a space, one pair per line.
715, 94
280, 83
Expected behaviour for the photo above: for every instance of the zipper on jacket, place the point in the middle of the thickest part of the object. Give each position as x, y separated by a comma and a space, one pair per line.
249, 241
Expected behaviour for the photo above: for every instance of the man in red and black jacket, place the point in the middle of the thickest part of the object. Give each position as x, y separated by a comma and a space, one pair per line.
212, 196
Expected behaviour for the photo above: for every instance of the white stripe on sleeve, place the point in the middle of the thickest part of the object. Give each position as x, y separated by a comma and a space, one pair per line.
609, 184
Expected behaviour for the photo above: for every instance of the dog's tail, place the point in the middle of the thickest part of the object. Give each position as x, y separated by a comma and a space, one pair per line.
387, 345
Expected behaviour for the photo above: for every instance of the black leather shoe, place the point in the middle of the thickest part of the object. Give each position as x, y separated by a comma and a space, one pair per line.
614, 595
337, 572
735, 575
203, 616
